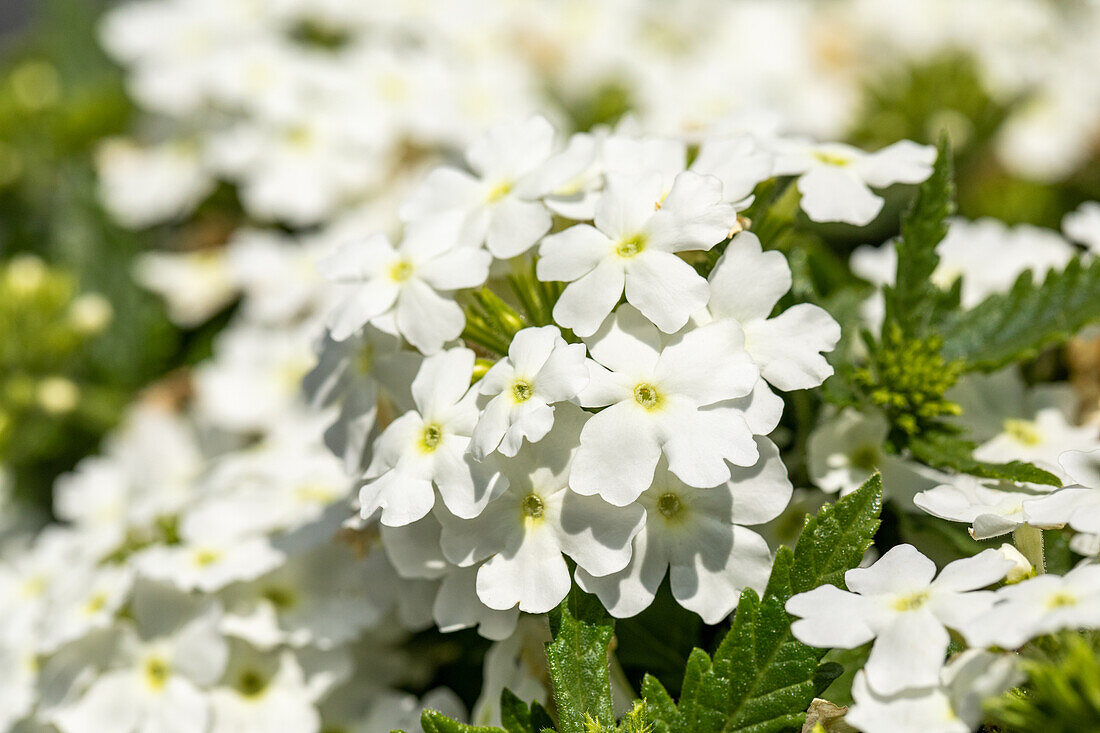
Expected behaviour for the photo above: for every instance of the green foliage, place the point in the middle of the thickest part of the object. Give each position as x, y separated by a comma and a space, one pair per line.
914, 303
947, 451
1011, 327
906, 377
760, 677
577, 658
1062, 694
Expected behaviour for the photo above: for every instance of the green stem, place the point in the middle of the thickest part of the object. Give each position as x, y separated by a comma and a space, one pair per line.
1029, 541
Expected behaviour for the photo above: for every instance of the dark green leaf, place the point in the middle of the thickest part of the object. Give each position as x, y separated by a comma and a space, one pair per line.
761, 679
946, 451
1012, 326
517, 717
435, 722
914, 302
577, 658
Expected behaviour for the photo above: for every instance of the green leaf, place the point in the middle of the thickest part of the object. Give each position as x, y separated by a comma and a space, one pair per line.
435, 722
577, 659
914, 302
947, 451
517, 717
761, 678
1016, 325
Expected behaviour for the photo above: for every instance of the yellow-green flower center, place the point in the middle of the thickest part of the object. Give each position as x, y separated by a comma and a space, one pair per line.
205, 557
647, 396
631, 246
499, 191
156, 672
522, 390
431, 437
669, 505
829, 158
865, 457
1061, 600
1023, 431
532, 506
911, 602
401, 271
251, 683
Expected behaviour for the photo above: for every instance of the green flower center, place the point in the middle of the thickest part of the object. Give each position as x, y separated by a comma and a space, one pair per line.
499, 191
522, 390
647, 396
204, 558
865, 457
1061, 600
156, 672
1023, 431
631, 246
911, 602
431, 437
832, 158
401, 271
532, 506
669, 505
251, 683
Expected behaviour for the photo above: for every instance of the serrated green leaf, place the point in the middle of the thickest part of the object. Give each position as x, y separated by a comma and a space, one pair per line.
943, 450
761, 679
914, 302
517, 717
1012, 326
577, 659
433, 721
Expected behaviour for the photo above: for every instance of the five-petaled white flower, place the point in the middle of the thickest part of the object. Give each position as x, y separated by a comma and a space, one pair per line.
835, 179
699, 534
515, 166
427, 447
897, 603
525, 531
399, 288
632, 246
663, 399
541, 369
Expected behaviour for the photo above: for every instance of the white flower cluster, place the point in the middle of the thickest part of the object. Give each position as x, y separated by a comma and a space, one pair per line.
633, 450
311, 107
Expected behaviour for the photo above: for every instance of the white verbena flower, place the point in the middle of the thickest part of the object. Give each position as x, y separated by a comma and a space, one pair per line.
1037, 606
663, 399
525, 532
1077, 505
426, 449
1083, 225
954, 705
540, 369
897, 603
632, 247
400, 286
515, 166
836, 179
699, 537
991, 510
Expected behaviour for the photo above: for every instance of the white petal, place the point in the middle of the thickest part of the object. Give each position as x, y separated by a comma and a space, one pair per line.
760, 492
571, 253
788, 347
972, 573
403, 499
902, 568
747, 282
458, 607
711, 586
699, 442
908, 653
596, 534
365, 302
830, 618
442, 381
631, 590
903, 162
515, 226
665, 288
465, 486
626, 344
443, 188
564, 374
617, 455
585, 303
462, 267
832, 194
535, 577
708, 364
693, 216
627, 203
426, 319
510, 149
1083, 468
357, 261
